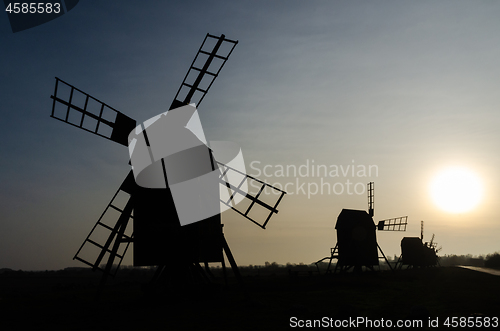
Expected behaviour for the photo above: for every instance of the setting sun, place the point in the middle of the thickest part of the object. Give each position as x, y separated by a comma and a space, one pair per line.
456, 190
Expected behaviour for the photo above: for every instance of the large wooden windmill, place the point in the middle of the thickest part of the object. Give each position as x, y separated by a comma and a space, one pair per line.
158, 236
357, 239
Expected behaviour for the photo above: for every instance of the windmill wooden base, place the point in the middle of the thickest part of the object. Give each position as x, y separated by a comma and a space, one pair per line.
194, 273
180, 272
343, 268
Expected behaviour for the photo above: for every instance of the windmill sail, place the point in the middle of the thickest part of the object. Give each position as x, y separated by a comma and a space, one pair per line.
75, 107
393, 224
205, 67
236, 193
110, 231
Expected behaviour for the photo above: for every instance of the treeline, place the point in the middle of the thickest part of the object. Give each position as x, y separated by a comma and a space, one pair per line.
492, 261
488, 261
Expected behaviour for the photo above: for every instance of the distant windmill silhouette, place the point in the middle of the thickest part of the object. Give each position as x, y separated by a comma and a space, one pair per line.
415, 253
158, 237
357, 240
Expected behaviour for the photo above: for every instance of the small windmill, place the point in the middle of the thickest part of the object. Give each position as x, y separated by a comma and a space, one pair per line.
415, 253
357, 240
158, 237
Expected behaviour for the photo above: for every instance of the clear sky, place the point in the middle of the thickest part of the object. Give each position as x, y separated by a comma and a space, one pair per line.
406, 87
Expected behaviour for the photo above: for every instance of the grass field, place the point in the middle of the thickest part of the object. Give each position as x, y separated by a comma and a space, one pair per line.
64, 300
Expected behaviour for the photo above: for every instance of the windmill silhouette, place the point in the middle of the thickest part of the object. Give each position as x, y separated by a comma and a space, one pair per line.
159, 236
415, 253
357, 240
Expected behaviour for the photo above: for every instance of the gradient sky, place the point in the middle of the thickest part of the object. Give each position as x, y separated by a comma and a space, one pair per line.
407, 86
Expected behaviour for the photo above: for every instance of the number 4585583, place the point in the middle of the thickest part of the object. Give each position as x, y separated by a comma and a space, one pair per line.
471, 321
33, 7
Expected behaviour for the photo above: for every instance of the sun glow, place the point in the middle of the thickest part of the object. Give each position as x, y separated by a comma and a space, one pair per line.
456, 190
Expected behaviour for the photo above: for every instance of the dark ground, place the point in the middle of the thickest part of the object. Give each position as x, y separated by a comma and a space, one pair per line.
63, 300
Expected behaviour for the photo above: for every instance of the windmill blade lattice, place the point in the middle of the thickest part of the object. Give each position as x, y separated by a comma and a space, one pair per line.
234, 191
393, 224
205, 67
75, 107
110, 231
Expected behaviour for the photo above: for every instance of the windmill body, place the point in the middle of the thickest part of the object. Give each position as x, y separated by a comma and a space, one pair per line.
159, 239
412, 251
171, 165
356, 238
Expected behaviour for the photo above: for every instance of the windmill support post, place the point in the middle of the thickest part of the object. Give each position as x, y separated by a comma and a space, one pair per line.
387, 261
207, 270
330, 258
